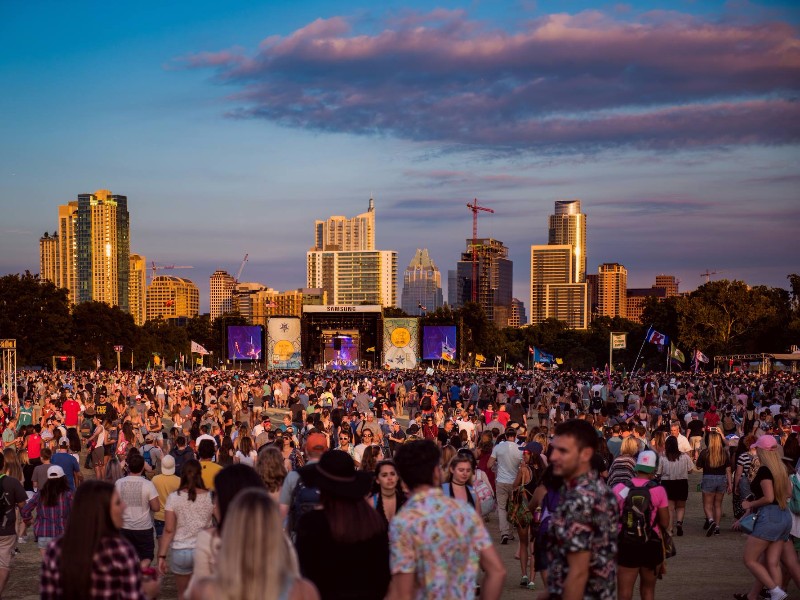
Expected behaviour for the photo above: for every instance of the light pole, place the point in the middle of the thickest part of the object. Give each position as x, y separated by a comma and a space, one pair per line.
118, 350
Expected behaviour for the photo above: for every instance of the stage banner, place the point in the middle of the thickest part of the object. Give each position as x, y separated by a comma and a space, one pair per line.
283, 343
400, 343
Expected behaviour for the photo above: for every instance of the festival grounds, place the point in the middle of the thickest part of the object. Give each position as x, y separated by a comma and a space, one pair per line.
704, 568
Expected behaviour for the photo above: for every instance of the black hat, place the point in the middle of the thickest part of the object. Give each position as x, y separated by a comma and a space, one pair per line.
336, 474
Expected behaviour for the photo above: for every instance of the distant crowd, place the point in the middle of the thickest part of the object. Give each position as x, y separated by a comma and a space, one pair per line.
238, 484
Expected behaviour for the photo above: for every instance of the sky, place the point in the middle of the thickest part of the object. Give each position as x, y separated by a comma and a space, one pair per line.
232, 126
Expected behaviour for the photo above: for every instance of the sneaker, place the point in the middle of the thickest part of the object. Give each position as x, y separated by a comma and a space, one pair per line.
531, 585
778, 594
503, 539
23, 539
710, 530
707, 523
524, 581
679, 528
716, 530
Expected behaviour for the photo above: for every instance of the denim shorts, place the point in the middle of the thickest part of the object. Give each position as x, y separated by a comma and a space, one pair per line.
714, 484
159, 525
182, 561
41, 542
773, 523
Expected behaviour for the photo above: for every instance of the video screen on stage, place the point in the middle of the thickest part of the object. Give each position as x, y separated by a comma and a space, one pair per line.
439, 342
341, 352
245, 342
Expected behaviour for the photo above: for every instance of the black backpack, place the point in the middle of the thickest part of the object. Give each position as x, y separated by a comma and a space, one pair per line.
6, 505
426, 403
636, 515
304, 499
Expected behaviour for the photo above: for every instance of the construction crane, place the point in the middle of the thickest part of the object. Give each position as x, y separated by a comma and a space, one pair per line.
241, 267
708, 274
154, 268
475, 208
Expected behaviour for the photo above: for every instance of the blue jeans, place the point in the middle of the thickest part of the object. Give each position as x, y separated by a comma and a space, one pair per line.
773, 523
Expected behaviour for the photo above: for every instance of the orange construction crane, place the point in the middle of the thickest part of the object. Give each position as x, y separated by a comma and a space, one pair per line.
475, 208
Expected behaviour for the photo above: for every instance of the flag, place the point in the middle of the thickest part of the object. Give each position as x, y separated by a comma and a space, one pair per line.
98, 362
448, 352
497, 359
422, 307
181, 358
198, 349
540, 356
270, 304
559, 361
530, 350
700, 357
199, 360
654, 337
156, 360
675, 353
371, 349
480, 358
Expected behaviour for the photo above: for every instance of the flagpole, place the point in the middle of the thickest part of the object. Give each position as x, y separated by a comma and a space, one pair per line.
644, 341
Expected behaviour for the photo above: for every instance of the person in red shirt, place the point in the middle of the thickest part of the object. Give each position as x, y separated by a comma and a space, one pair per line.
72, 409
34, 442
502, 416
711, 418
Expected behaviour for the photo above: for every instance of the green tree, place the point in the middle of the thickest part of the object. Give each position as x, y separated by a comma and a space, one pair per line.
35, 313
96, 329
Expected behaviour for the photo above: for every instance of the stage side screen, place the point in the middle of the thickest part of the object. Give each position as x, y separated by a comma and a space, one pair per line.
439, 342
245, 342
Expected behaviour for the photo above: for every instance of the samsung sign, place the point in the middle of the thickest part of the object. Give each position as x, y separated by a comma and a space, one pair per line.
313, 308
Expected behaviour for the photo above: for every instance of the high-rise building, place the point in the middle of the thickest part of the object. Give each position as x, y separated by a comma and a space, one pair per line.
568, 227
594, 301
68, 249
246, 299
49, 267
455, 288
103, 248
258, 305
554, 292
518, 316
422, 285
172, 297
669, 283
137, 291
221, 293
612, 284
350, 278
343, 234
637, 297
495, 278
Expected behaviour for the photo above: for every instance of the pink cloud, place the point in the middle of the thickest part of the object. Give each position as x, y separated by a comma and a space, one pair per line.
584, 80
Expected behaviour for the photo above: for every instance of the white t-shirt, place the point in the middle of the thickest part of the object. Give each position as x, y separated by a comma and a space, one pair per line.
192, 517
136, 492
508, 456
249, 460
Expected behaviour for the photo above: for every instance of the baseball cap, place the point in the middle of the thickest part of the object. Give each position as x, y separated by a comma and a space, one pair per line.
168, 465
533, 448
765, 442
54, 472
646, 462
63, 442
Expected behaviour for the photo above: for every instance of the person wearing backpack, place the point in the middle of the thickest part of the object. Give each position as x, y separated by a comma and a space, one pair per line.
296, 498
644, 514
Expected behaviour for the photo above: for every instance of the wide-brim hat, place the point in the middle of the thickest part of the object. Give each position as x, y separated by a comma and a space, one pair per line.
336, 474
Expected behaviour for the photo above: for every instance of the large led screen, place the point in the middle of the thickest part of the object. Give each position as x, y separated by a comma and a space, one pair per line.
245, 342
439, 342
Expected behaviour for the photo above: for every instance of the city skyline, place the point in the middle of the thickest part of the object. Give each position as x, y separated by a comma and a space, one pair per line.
681, 165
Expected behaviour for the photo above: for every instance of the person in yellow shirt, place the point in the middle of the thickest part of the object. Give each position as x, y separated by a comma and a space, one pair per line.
205, 452
165, 483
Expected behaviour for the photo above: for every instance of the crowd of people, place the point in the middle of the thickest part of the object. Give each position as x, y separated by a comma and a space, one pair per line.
239, 484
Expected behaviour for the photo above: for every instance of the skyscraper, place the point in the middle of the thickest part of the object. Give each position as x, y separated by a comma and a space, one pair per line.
137, 294
495, 278
102, 230
568, 226
669, 283
49, 267
172, 297
518, 316
221, 291
612, 288
349, 278
422, 285
554, 293
68, 249
343, 234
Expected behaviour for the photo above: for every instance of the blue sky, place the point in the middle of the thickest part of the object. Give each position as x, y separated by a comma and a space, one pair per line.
232, 126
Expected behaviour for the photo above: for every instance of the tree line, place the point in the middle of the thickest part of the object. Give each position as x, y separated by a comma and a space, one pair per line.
720, 317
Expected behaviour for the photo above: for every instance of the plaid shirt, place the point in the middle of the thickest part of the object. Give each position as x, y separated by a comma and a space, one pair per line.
50, 520
116, 573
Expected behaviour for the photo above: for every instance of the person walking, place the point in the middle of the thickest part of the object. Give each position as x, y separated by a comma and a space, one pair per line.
583, 528
507, 456
674, 470
12, 489
139, 497
717, 480
52, 504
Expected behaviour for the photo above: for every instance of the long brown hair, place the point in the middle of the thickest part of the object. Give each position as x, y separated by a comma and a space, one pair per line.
89, 522
52, 490
343, 513
192, 479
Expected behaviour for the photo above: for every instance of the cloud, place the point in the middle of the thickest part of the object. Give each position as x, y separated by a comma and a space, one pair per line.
559, 83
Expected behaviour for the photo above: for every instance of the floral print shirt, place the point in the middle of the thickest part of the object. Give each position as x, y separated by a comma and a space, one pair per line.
439, 539
585, 521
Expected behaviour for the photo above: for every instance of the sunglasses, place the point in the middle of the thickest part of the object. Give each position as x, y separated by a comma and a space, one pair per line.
367, 435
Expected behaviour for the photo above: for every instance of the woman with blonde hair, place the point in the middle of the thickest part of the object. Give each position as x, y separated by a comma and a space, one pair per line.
255, 558
270, 467
717, 480
659, 442
622, 467
448, 452
770, 492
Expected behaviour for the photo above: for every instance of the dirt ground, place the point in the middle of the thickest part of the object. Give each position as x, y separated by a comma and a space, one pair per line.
704, 568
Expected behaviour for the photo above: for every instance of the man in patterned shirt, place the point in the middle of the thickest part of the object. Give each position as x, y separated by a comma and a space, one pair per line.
438, 543
583, 529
